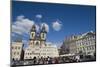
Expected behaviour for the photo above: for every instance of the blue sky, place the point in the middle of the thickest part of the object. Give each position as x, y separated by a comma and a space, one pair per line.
61, 20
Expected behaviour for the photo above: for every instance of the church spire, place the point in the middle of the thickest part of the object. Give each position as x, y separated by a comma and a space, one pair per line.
43, 29
43, 35
33, 32
33, 28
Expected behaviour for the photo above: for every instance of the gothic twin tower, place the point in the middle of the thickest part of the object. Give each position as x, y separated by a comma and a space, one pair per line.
37, 38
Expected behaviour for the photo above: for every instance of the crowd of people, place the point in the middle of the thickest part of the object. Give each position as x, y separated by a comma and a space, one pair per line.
52, 60
48, 60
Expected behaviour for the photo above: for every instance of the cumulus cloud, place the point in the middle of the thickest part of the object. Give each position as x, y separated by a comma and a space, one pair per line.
22, 25
39, 16
57, 25
46, 26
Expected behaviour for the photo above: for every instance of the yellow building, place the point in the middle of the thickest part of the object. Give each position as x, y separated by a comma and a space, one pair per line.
86, 43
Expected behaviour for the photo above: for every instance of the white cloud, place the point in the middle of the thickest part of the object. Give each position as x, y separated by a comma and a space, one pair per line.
39, 16
46, 26
56, 26
20, 17
22, 25
16, 29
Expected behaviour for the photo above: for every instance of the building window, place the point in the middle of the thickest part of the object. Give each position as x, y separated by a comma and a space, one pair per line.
30, 57
92, 47
16, 58
18, 47
14, 53
32, 52
83, 49
37, 43
26, 57
15, 47
28, 53
12, 47
17, 53
87, 48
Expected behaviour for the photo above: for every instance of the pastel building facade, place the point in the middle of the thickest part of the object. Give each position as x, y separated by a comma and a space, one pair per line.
86, 43
80, 44
16, 50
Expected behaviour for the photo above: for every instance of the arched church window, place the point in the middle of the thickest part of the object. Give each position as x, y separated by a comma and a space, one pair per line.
37, 43
32, 34
43, 36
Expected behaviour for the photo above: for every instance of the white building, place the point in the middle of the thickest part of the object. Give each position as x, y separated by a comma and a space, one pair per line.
16, 49
81, 44
38, 46
86, 43
46, 51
